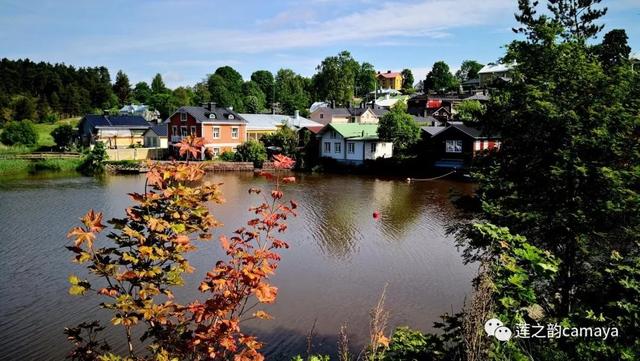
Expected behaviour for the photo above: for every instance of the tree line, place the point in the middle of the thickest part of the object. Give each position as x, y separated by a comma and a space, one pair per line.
46, 92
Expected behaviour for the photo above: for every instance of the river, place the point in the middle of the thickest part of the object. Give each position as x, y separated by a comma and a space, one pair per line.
339, 261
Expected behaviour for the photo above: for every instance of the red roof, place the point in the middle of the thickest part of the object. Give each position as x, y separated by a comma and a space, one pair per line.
390, 75
434, 103
315, 129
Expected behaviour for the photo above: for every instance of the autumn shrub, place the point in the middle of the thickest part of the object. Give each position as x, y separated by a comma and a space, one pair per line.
143, 260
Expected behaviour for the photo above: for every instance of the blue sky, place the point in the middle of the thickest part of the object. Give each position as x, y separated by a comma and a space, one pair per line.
186, 39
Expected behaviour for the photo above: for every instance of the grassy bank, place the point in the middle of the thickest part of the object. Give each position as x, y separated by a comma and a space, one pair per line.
45, 140
11, 167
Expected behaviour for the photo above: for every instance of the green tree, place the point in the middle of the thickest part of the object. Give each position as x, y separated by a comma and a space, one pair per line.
157, 85
183, 96
94, 160
285, 138
142, 92
225, 87
254, 99
122, 87
469, 111
24, 108
251, 151
266, 82
407, 79
366, 80
292, 91
22, 132
335, 79
64, 136
468, 70
399, 127
440, 78
614, 50
566, 178
201, 93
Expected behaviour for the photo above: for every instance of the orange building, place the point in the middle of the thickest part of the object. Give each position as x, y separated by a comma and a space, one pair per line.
222, 129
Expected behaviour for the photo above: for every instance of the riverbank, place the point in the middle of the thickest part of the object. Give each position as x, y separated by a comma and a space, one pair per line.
23, 167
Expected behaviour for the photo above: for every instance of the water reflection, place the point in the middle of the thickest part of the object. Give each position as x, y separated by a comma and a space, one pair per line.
339, 260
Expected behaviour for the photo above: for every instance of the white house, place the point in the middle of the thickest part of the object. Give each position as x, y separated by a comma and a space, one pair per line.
353, 142
157, 136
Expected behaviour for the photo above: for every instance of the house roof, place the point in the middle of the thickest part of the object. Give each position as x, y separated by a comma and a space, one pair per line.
354, 131
134, 108
481, 97
427, 119
495, 68
470, 131
390, 74
356, 112
432, 130
272, 121
314, 129
202, 114
116, 121
161, 130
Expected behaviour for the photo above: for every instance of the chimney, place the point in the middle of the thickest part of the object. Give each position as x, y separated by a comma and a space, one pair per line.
296, 114
211, 106
388, 71
230, 108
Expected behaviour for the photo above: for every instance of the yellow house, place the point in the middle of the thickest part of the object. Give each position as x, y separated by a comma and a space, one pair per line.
390, 80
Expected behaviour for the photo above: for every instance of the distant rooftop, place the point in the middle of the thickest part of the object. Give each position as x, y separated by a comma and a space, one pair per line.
495, 68
272, 121
389, 74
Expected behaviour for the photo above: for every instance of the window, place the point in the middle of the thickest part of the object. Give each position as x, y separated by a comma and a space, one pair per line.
183, 116
231, 116
453, 146
321, 116
374, 147
333, 134
327, 147
212, 116
352, 120
336, 146
234, 132
193, 130
174, 130
216, 152
183, 131
351, 148
216, 132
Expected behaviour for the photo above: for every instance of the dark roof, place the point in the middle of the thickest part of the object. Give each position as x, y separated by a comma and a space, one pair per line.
314, 129
161, 130
428, 119
201, 114
116, 121
471, 131
432, 130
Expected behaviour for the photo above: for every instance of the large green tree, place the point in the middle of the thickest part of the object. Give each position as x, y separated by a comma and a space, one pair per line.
142, 92
566, 177
468, 70
366, 80
400, 128
157, 85
254, 99
407, 79
335, 80
292, 91
122, 87
440, 78
266, 82
225, 87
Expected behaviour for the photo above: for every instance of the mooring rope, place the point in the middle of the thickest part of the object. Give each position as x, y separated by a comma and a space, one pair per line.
429, 179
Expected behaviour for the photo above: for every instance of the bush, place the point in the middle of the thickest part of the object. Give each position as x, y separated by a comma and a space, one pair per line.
64, 136
227, 156
94, 160
22, 132
251, 151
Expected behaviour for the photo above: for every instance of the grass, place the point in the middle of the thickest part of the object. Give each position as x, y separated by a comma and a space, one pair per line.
45, 140
23, 166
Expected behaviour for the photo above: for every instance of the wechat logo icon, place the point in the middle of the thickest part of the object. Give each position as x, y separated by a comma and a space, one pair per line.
497, 329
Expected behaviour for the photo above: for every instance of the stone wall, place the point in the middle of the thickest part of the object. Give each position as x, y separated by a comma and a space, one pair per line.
136, 153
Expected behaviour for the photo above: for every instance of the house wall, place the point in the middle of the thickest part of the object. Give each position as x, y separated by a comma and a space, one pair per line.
136, 154
225, 141
328, 137
135, 137
358, 150
174, 120
321, 115
383, 150
393, 83
369, 117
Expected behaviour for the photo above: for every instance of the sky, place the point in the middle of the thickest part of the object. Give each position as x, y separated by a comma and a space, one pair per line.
184, 40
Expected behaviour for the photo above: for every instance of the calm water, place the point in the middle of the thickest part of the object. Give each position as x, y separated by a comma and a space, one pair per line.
338, 263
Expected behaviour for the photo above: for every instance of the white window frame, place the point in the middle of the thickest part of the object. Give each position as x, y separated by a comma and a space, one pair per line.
337, 146
351, 148
183, 116
333, 134
174, 130
193, 130
215, 133
237, 132
216, 151
327, 147
184, 130
374, 147
453, 146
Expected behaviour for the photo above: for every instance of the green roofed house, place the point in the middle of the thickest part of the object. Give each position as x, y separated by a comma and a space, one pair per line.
353, 142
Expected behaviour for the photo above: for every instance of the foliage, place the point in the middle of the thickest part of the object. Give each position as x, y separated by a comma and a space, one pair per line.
265, 81
440, 78
94, 160
251, 151
285, 139
227, 156
255, 100
468, 70
24, 108
399, 127
469, 111
64, 136
144, 259
122, 87
142, 92
614, 50
22, 133
225, 87
566, 178
407, 79
366, 80
292, 91
335, 80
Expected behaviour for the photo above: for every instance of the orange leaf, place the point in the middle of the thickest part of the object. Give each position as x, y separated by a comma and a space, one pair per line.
266, 293
263, 315
93, 221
